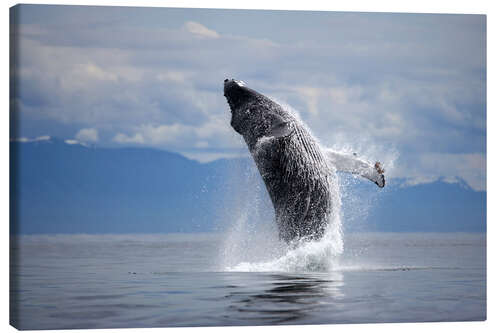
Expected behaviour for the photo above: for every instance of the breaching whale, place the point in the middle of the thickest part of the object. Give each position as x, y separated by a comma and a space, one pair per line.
297, 173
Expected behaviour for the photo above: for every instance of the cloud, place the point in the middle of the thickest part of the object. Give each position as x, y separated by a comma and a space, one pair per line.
24, 139
429, 167
206, 157
87, 135
200, 30
214, 134
76, 142
123, 138
411, 83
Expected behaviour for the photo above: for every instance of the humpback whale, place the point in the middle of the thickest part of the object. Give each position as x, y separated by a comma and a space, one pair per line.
298, 174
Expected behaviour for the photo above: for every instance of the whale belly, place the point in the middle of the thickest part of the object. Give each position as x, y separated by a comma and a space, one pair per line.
298, 181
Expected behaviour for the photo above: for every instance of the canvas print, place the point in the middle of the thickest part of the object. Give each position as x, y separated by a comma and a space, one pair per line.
215, 167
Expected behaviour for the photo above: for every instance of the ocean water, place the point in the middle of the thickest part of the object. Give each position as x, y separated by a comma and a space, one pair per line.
112, 281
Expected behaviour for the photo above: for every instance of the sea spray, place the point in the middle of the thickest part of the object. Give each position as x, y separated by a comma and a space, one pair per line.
311, 256
251, 233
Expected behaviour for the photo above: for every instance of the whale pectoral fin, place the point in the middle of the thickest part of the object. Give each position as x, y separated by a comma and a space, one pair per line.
354, 165
279, 128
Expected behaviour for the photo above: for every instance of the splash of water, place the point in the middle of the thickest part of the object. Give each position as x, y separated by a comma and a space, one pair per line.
312, 256
249, 248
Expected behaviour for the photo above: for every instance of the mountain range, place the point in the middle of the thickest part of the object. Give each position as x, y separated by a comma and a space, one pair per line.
61, 188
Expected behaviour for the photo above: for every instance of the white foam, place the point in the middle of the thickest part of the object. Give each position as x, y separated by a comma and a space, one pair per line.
313, 256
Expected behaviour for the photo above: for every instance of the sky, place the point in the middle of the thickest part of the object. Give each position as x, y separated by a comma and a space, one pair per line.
406, 89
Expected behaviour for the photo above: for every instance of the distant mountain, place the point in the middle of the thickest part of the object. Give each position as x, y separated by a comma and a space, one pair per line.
439, 206
58, 187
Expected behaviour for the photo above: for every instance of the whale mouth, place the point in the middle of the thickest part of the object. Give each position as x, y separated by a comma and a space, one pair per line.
238, 94
229, 84
234, 91
238, 82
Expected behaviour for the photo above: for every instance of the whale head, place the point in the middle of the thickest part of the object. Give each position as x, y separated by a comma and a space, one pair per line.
253, 115
237, 93
241, 99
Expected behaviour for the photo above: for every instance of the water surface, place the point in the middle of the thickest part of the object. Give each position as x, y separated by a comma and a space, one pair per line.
111, 281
